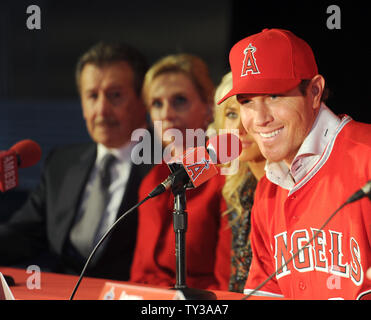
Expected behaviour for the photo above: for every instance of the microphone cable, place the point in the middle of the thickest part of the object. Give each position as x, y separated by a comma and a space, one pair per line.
155, 192
356, 196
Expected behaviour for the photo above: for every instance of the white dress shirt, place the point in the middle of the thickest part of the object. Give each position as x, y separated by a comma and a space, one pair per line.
119, 171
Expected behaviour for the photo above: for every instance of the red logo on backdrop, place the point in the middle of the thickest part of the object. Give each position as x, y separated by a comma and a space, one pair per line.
249, 61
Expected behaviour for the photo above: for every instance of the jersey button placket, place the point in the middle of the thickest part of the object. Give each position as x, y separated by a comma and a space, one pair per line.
290, 219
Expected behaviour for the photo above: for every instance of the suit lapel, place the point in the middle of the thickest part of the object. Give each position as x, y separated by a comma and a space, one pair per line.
72, 190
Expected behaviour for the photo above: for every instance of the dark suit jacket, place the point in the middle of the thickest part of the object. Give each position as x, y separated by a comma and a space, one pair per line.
43, 224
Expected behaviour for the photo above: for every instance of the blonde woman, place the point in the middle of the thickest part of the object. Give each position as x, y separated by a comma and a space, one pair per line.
239, 188
179, 93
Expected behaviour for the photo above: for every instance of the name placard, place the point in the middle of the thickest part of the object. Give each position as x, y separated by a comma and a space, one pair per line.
118, 291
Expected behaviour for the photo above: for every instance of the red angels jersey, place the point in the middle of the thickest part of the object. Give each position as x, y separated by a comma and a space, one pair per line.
334, 266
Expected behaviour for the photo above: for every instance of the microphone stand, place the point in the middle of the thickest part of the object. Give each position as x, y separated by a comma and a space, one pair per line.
180, 222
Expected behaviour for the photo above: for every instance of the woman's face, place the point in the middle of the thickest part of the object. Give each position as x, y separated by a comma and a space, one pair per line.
173, 99
232, 120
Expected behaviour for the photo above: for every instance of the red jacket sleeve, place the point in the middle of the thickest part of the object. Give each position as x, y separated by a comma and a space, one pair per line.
223, 250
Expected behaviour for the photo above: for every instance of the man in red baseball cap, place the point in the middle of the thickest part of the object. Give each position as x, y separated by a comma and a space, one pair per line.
315, 161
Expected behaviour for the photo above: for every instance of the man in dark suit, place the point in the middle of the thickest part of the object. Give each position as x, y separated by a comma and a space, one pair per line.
58, 227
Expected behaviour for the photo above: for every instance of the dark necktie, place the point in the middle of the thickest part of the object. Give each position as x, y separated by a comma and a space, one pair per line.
84, 231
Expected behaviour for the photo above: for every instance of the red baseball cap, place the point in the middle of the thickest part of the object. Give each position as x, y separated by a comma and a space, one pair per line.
272, 61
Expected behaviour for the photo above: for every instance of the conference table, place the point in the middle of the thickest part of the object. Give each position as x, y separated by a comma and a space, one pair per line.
53, 286
59, 287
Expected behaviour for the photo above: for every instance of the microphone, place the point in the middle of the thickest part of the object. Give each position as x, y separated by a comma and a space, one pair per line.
363, 192
217, 145
197, 165
23, 154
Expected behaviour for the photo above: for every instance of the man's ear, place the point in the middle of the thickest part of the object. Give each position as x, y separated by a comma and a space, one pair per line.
315, 89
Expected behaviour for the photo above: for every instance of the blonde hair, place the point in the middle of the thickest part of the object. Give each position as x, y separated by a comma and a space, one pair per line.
232, 183
222, 89
192, 66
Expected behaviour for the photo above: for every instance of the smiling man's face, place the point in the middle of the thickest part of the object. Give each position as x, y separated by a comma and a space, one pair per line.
278, 123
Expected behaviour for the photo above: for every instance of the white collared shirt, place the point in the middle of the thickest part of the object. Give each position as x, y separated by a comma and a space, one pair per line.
322, 132
120, 171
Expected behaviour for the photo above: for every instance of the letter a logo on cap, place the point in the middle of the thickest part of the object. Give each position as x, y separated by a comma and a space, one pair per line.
249, 62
